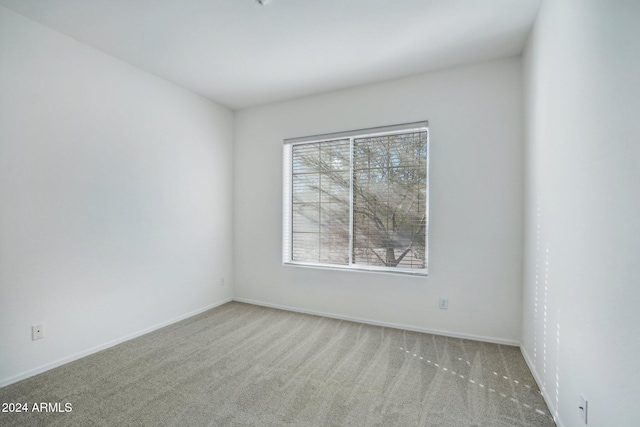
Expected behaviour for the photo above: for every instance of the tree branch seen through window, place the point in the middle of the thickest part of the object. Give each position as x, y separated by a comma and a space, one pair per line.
360, 201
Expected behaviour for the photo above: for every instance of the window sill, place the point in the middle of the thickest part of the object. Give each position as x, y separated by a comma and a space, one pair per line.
361, 268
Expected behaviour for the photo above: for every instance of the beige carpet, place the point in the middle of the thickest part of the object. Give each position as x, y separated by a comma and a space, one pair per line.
243, 365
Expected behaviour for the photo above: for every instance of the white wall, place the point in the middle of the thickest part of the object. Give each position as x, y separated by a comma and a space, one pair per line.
115, 199
581, 316
475, 203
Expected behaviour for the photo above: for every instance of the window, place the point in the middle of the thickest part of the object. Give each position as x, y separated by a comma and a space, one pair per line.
358, 199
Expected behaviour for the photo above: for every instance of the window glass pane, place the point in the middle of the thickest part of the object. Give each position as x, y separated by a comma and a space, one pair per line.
305, 188
332, 249
335, 188
334, 218
367, 193
306, 158
306, 247
335, 156
320, 193
306, 218
389, 201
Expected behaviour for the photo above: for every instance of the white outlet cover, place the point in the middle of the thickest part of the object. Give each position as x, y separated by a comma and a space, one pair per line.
37, 332
583, 407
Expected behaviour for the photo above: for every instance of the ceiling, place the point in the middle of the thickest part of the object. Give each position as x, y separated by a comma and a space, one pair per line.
239, 53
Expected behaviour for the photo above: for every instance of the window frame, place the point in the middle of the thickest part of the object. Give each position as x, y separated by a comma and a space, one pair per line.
287, 213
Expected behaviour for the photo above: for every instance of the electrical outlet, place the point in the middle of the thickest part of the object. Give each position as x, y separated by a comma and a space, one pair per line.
444, 303
222, 281
37, 332
583, 406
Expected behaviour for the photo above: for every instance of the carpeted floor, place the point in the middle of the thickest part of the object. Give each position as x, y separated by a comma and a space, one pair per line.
244, 365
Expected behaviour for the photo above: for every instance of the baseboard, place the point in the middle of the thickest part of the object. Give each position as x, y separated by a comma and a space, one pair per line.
13, 379
539, 381
384, 324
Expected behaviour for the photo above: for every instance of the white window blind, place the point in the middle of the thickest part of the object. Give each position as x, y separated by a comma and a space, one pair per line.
358, 199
